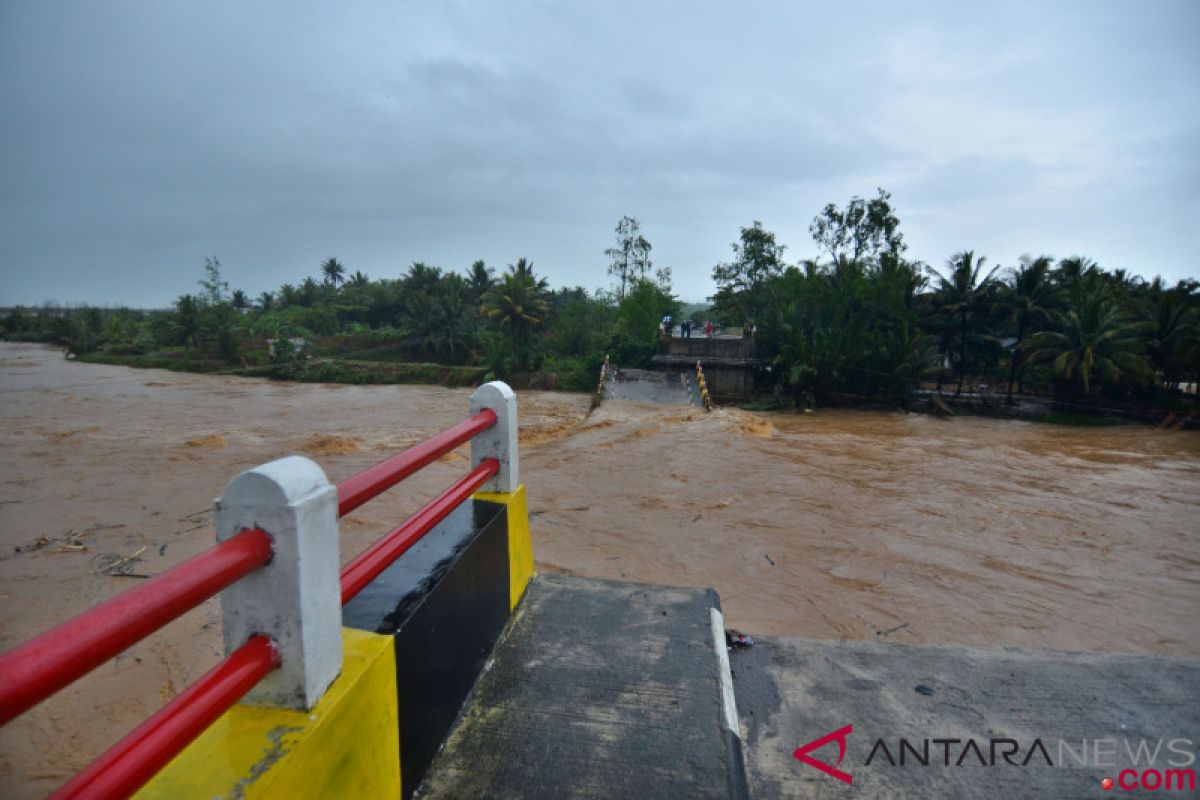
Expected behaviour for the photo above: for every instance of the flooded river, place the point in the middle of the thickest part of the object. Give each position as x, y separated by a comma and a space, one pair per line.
852, 525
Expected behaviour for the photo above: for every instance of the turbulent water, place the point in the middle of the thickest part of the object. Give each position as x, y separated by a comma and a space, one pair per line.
858, 525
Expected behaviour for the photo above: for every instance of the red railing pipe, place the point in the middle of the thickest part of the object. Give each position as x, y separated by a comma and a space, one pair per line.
40, 667
355, 491
375, 559
137, 758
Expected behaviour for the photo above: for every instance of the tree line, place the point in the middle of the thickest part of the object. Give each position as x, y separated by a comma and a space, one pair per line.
512, 322
862, 321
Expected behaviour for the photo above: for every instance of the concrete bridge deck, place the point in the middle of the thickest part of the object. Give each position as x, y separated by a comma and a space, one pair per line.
645, 386
1103, 706
597, 689
603, 689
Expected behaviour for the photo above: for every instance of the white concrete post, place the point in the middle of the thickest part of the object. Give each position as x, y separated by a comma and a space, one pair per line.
500, 440
296, 599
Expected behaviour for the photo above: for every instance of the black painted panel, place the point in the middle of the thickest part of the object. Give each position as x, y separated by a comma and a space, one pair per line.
446, 602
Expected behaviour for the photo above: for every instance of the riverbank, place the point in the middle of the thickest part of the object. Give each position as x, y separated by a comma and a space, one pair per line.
839, 524
1180, 415
318, 370
354, 361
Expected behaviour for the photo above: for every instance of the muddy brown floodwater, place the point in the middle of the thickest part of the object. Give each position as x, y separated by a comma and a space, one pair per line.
849, 525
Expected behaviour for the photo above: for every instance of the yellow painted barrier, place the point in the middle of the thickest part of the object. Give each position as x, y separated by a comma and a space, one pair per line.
345, 746
703, 388
520, 545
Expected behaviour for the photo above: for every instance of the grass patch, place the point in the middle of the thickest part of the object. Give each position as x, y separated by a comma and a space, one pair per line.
174, 360
378, 372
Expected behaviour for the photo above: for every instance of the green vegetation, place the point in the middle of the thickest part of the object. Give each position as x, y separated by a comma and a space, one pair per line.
861, 323
427, 326
870, 325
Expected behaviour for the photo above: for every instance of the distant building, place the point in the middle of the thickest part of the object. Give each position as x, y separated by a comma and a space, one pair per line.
299, 345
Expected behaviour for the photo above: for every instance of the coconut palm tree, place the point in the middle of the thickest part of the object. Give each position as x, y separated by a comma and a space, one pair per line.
266, 301
288, 296
451, 329
961, 294
1030, 300
1188, 347
1171, 313
517, 302
479, 281
334, 271
308, 292
1094, 343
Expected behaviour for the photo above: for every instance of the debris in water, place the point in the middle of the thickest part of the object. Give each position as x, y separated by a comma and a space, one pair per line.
735, 638
69, 541
114, 565
769, 559
37, 544
899, 627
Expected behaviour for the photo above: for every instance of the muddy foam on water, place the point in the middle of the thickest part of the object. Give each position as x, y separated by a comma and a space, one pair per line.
831, 525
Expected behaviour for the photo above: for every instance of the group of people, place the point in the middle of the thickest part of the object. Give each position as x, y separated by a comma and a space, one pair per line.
686, 327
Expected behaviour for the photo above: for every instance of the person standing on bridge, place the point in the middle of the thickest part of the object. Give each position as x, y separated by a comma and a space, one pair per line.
708, 328
666, 324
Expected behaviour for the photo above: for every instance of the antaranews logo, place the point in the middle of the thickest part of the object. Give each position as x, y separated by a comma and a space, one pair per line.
802, 753
1146, 771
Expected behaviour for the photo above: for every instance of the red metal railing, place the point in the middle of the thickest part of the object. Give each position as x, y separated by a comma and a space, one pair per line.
125, 767
39, 668
376, 558
355, 491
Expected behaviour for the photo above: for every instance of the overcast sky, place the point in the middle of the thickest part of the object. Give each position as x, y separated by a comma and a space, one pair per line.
139, 137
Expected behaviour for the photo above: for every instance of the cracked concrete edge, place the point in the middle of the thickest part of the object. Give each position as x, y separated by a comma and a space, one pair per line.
739, 785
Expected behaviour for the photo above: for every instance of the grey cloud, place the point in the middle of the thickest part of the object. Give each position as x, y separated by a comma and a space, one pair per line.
142, 137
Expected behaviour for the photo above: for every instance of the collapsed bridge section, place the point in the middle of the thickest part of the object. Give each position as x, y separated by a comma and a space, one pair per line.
730, 364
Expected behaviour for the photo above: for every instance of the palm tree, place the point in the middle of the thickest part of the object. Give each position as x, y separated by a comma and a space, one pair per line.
1172, 317
334, 271
450, 322
961, 295
518, 302
421, 278
288, 296
1078, 276
266, 301
1188, 347
479, 280
1094, 341
416, 299
1030, 300
239, 300
186, 325
359, 279
308, 293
